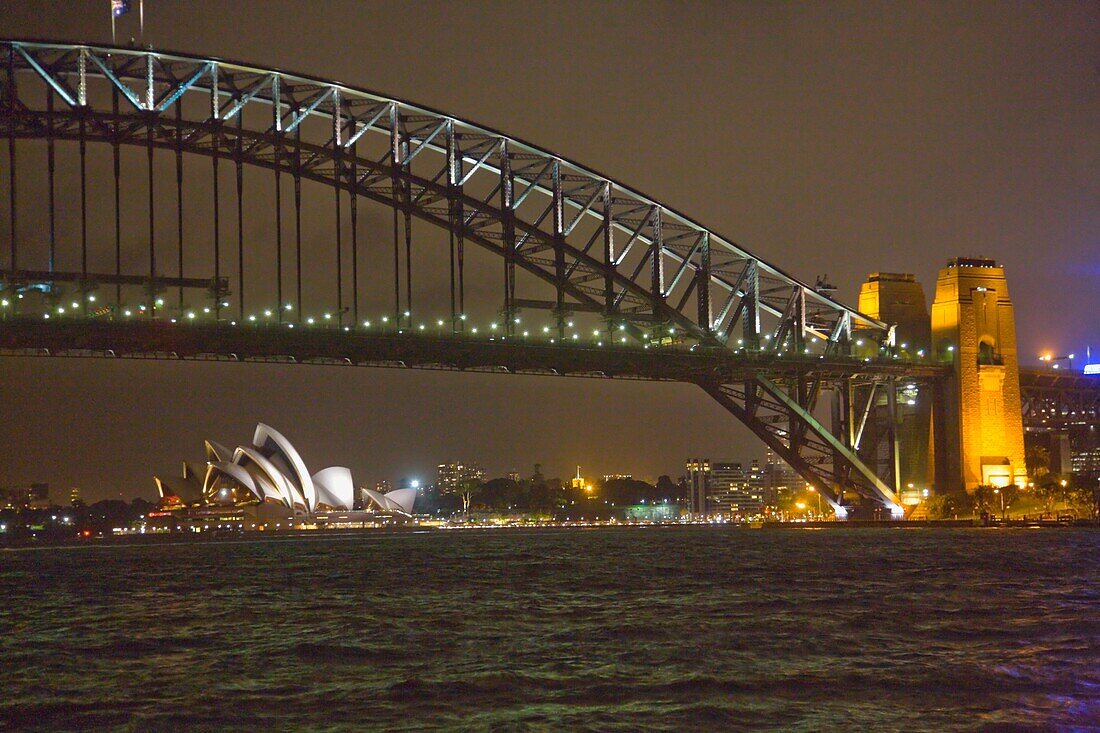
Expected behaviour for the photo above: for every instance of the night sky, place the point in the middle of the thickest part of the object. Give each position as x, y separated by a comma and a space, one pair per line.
827, 138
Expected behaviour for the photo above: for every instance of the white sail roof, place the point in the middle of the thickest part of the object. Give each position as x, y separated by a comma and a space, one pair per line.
232, 471
273, 444
402, 499
399, 500
335, 487
217, 452
272, 470
286, 489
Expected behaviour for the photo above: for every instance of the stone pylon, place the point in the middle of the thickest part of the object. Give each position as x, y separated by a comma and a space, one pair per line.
978, 419
898, 299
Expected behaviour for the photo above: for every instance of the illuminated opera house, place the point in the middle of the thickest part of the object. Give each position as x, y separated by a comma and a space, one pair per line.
268, 480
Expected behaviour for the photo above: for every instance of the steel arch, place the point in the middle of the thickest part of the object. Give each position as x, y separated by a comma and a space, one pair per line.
752, 287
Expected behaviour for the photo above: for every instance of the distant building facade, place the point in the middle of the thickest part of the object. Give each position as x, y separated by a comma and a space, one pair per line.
698, 480
736, 493
776, 480
727, 485
30, 496
452, 477
727, 489
1086, 462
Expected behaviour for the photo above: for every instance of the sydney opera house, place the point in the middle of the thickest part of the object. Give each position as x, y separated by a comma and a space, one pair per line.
268, 480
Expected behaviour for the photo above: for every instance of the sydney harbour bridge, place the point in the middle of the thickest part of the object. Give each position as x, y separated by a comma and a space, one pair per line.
162, 205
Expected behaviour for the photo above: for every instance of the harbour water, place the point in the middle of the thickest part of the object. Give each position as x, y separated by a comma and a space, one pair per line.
629, 629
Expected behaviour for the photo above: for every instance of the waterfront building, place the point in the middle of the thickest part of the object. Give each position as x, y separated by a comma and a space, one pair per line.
662, 512
732, 494
381, 487
186, 488
268, 472
726, 481
453, 477
698, 477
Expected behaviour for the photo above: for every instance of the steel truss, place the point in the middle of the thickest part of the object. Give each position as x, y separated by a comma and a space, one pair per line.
650, 273
1055, 400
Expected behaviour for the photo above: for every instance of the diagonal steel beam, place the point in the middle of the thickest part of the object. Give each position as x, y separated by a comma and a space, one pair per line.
882, 492
58, 86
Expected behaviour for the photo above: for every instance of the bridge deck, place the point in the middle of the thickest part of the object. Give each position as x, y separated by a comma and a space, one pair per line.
164, 340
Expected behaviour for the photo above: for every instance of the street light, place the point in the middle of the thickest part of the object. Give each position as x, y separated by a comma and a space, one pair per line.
811, 488
1054, 361
1001, 494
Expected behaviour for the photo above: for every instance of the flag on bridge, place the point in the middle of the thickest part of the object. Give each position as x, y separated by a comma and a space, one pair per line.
119, 7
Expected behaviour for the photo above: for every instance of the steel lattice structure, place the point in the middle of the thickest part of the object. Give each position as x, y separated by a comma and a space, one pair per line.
653, 277
1055, 400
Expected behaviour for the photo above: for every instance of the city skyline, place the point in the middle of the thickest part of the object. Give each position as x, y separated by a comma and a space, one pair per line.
418, 478
820, 182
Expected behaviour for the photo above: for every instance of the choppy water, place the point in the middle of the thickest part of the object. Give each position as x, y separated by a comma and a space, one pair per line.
604, 629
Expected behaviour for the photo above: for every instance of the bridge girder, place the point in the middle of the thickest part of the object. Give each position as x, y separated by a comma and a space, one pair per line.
1054, 400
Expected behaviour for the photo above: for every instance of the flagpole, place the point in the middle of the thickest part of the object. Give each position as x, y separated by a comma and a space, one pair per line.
112, 10
141, 16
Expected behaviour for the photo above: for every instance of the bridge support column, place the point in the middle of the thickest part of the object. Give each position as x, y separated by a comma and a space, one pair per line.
973, 329
899, 299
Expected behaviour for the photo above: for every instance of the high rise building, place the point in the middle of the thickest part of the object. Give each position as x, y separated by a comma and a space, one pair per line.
453, 477
734, 492
727, 483
775, 480
698, 476
1086, 463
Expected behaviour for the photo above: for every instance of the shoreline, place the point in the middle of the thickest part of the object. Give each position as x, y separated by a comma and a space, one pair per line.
224, 536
